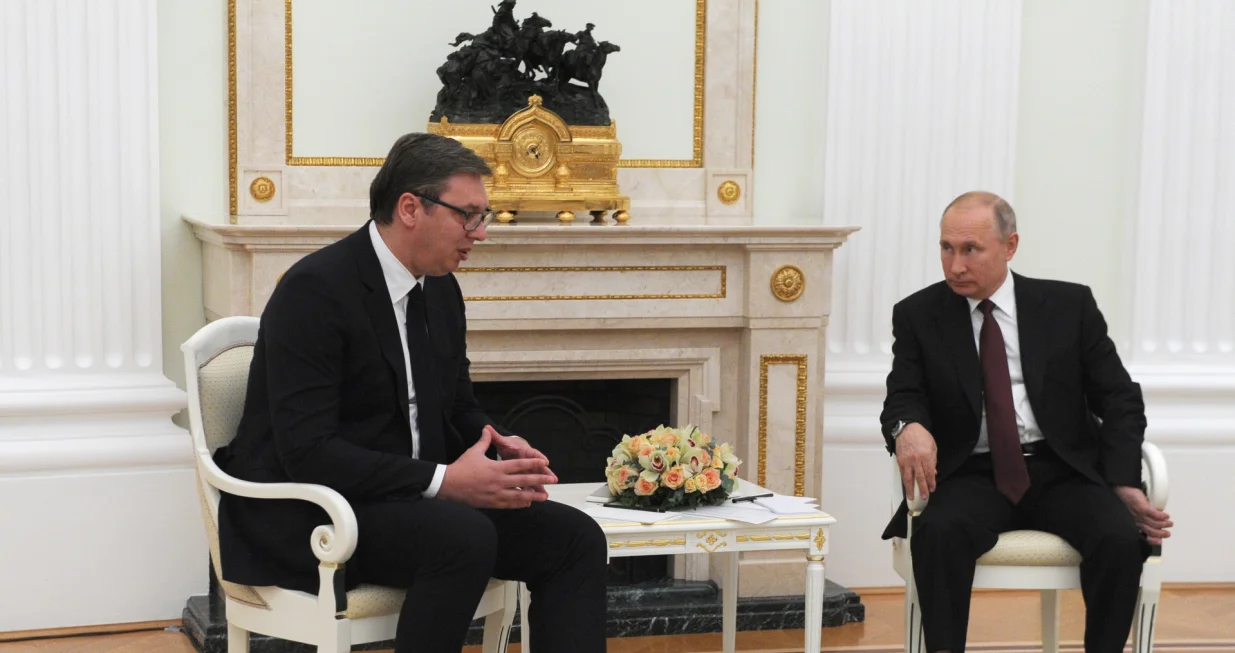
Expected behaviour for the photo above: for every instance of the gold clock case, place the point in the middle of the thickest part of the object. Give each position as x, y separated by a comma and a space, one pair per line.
542, 164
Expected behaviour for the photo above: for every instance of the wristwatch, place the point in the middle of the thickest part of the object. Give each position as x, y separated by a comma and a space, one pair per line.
897, 428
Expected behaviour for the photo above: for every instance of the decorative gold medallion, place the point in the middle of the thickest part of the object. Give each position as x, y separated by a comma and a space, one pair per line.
788, 282
820, 539
262, 189
729, 192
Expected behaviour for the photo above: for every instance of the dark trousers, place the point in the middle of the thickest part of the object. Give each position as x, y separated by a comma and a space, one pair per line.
963, 520
444, 553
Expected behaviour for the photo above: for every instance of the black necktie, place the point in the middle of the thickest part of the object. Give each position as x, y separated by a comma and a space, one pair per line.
1011, 474
425, 380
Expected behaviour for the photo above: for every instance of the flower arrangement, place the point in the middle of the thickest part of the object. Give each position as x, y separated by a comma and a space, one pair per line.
671, 468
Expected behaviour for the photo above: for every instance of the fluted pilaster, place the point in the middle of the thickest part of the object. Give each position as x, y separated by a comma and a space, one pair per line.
1183, 308
95, 479
80, 318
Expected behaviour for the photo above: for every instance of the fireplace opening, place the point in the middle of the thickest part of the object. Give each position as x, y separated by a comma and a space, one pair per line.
576, 423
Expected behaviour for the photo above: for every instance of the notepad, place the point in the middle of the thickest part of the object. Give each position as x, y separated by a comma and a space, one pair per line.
607, 513
733, 511
600, 495
781, 504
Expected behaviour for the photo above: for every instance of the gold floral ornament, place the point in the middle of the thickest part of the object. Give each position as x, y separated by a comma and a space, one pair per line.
788, 282
712, 541
729, 192
262, 189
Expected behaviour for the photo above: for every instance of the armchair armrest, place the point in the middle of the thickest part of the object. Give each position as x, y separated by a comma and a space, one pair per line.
332, 543
917, 503
1154, 468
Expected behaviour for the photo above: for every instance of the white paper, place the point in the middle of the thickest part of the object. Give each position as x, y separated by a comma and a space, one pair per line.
600, 495
628, 515
734, 511
788, 505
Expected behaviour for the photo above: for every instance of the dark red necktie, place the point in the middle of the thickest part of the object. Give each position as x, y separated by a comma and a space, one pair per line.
1011, 474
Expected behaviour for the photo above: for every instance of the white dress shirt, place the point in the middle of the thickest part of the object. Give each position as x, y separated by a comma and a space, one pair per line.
1005, 316
399, 281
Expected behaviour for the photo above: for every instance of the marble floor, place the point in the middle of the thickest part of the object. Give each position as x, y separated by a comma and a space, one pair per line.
1192, 619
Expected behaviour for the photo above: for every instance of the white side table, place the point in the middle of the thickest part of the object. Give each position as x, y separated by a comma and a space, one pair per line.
720, 537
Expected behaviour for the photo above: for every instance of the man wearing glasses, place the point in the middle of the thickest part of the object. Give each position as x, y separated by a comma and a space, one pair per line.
360, 382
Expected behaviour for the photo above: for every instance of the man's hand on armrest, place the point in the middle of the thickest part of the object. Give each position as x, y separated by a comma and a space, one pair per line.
1152, 522
477, 481
916, 455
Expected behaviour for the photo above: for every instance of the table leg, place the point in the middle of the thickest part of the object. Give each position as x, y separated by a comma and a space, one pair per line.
729, 599
525, 630
814, 603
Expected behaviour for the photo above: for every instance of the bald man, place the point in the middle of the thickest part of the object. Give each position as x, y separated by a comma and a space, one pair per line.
1009, 407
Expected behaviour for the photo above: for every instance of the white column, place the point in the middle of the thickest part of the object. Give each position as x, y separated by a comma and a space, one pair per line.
1182, 269
921, 106
95, 479
1184, 304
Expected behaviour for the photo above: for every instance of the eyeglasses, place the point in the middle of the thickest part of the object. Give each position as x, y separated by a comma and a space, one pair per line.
472, 220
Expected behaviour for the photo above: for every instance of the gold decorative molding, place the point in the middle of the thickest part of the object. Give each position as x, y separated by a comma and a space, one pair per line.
720, 294
262, 189
820, 539
696, 160
778, 537
788, 282
729, 192
799, 439
635, 544
232, 155
814, 558
712, 541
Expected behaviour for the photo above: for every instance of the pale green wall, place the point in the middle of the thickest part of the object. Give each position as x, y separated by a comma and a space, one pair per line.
192, 156
790, 101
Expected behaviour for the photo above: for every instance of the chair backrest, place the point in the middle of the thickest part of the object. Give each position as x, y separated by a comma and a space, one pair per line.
216, 362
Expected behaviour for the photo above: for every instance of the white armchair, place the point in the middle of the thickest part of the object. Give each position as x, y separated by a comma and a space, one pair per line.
217, 368
1037, 560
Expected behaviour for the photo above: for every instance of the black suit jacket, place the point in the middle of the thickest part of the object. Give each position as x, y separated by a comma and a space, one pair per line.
327, 404
1087, 407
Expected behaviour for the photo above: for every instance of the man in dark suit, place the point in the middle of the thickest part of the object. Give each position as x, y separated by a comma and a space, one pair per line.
1008, 405
360, 382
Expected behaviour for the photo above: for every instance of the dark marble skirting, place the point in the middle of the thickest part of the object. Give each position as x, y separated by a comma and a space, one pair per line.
671, 608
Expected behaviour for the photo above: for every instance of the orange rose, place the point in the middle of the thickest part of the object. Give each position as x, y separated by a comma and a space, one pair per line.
645, 488
674, 478
637, 444
710, 479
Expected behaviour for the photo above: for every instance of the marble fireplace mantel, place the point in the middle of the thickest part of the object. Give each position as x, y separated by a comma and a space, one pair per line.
737, 315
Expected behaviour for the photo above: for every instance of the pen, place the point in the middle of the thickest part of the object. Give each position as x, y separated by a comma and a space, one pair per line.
615, 504
752, 497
